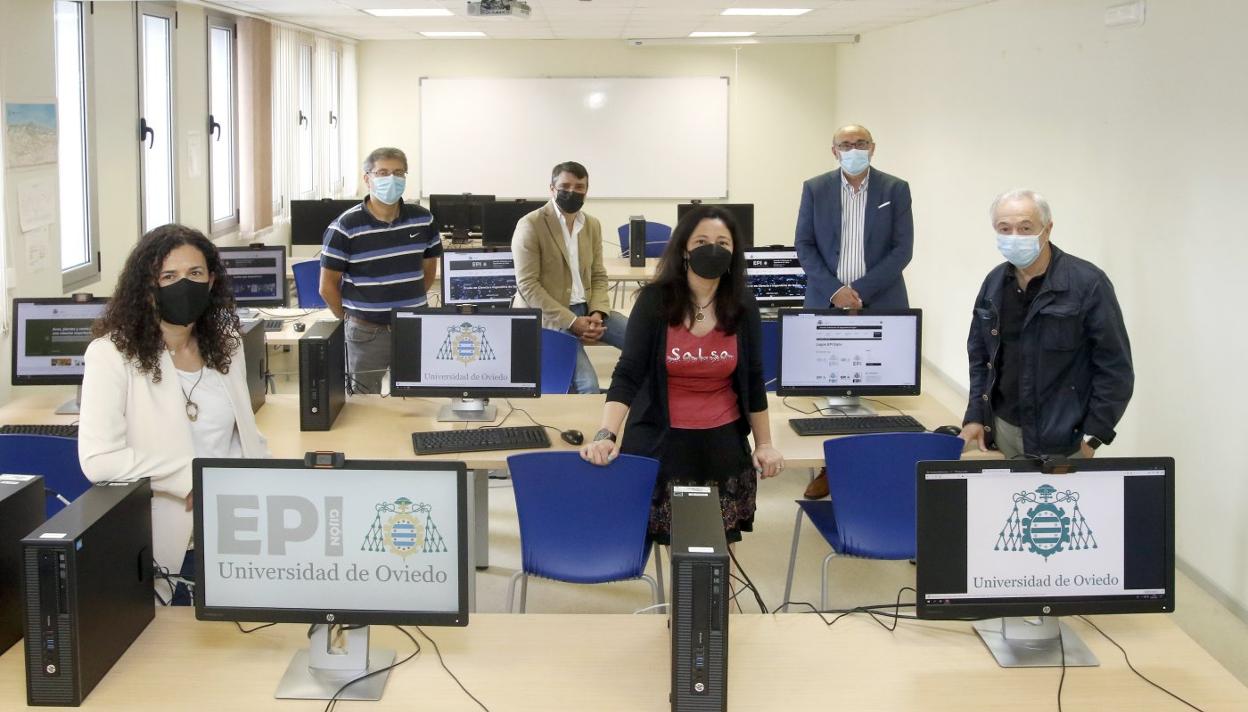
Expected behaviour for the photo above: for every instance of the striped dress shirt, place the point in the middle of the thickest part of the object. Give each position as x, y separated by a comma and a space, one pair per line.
852, 265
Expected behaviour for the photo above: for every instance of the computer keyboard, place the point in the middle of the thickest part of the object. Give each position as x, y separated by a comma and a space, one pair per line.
271, 325
856, 425
61, 431
437, 442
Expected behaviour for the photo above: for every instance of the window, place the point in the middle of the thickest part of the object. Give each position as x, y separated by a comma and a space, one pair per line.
80, 253
223, 124
307, 164
334, 128
155, 33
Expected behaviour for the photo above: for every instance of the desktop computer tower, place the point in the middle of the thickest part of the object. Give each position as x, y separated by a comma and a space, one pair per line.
88, 590
22, 507
700, 590
637, 241
322, 375
255, 357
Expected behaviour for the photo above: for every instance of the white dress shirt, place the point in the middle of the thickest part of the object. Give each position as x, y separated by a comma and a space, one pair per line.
570, 241
852, 265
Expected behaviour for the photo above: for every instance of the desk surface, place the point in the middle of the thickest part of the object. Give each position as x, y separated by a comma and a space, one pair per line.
618, 269
605, 662
290, 316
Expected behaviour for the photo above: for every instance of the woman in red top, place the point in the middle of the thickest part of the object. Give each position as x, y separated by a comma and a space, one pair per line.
690, 377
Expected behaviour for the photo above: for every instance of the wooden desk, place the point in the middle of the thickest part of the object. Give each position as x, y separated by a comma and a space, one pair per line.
618, 269
607, 663
290, 316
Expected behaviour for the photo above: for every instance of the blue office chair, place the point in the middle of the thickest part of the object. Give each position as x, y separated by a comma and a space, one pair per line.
580, 523
53, 457
558, 361
771, 353
871, 480
657, 235
308, 284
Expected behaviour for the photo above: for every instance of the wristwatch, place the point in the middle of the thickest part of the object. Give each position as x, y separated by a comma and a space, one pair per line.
1093, 442
604, 434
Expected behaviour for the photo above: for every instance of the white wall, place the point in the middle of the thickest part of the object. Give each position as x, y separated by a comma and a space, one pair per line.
1138, 137
780, 116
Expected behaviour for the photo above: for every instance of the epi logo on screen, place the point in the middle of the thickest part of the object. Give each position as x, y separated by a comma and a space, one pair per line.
409, 530
1046, 529
466, 343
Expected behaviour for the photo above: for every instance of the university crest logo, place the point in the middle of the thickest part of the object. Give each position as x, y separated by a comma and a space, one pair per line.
1046, 529
466, 343
409, 530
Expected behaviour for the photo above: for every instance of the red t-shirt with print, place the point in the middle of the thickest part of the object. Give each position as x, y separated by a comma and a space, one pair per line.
699, 378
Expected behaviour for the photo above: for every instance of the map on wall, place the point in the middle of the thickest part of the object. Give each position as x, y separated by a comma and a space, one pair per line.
31, 138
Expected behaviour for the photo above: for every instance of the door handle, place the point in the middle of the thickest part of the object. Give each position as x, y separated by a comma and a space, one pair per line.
147, 132
213, 126
302, 119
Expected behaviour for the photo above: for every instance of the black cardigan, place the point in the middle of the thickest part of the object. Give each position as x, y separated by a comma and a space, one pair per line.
640, 377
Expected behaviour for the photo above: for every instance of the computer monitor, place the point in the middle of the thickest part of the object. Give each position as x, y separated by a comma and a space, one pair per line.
775, 276
50, 339
310, 218
743, 213
459, 213
257, 274
485, 277
1005, 539
498, 220
845, 355
466, 355
325, 540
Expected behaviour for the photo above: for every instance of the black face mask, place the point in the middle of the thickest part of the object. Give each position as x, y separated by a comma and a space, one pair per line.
569, 201
710, 261
184, 301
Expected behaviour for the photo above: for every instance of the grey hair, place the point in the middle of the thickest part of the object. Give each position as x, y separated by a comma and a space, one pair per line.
1041, 203
381, 154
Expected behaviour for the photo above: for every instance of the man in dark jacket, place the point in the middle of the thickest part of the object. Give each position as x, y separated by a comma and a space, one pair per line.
1050, 361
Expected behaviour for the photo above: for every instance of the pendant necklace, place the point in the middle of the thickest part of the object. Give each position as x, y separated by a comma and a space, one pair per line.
192, 408
700, 316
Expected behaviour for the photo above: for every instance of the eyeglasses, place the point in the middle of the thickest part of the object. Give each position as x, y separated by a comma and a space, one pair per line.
383, 173
860, 145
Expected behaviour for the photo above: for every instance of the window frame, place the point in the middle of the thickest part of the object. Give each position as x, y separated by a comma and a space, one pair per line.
87, 272
220, 21
170, 13
306, 160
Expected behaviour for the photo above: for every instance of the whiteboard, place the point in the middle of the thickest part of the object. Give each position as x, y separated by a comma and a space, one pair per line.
638, 137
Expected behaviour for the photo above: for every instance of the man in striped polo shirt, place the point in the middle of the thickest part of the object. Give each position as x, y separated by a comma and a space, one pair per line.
379, 255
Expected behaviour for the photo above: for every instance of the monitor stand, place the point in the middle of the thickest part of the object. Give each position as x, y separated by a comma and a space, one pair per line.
1033, 642
474, 410
846, 405
319, 671
71, 406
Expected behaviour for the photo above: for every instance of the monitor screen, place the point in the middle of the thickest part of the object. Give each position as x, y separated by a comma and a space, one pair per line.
485, 277
50, 337
499, 219
458, 211
310, 218
448, 353
743, 212
257, 274
829, 352
1007, 538
371, 542
775, 276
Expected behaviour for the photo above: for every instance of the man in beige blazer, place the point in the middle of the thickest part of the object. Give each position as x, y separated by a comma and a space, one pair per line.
558, 256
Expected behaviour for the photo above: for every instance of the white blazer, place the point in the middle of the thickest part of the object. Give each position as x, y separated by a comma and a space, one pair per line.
130, 428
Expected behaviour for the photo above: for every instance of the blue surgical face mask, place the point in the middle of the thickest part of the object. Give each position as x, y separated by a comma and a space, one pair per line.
388, 189
855, 161
1019, 250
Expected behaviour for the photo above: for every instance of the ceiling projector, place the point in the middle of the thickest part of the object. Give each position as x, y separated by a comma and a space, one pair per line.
499, 8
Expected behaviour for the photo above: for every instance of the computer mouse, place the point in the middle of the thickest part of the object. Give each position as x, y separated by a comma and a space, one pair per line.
300, 326
572, 437
948, 430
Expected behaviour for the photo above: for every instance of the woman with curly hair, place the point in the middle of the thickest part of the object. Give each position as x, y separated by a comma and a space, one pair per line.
162, 385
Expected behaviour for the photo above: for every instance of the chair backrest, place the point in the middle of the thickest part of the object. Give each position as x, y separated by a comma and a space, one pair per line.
771, 352
657, 235
53, 457
582, 523
871, 479
308, 284
558, 361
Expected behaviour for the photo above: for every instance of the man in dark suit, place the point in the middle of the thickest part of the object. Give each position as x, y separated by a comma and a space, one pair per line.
855, 231
855, 234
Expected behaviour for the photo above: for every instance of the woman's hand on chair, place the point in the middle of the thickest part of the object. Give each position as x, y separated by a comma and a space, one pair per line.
768, 461
599, 452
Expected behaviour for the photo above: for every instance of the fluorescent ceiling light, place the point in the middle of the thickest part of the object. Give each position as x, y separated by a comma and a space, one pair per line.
453, 34
411, 12
766, 11
721, 34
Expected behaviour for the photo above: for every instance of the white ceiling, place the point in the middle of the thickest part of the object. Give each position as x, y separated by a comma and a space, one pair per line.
599, 19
